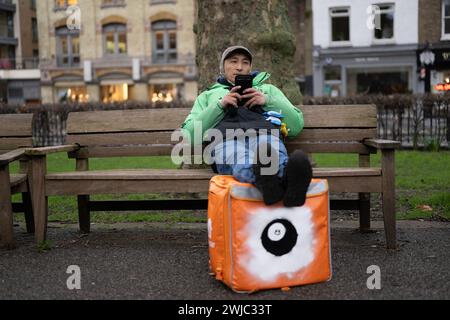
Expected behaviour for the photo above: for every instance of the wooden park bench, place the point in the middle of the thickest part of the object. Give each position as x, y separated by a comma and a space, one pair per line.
15, 136
101, 134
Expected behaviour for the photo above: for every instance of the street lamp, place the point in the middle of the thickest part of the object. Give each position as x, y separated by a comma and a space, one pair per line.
427, 60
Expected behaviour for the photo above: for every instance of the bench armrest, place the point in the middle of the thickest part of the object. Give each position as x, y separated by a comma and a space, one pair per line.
11, 156
47, 150
382, 144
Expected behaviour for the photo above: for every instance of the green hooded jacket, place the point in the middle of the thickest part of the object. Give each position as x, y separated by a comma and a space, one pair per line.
208, 110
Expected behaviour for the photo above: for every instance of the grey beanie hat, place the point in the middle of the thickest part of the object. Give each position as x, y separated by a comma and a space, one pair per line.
228, 51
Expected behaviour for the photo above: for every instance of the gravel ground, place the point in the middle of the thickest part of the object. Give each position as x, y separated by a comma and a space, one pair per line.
170, 261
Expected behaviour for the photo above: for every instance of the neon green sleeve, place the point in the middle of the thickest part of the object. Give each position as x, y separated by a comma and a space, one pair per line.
277, 101
208, 113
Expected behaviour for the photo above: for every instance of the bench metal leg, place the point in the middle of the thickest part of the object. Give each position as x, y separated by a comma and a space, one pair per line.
6, 212
388, 171
84, 214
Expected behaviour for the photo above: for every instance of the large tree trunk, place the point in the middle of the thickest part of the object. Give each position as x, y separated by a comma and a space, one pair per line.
262, 26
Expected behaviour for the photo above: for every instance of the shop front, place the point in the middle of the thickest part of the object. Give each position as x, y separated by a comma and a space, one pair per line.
439, 68
373, 70
71, 93
112, 91
165, 87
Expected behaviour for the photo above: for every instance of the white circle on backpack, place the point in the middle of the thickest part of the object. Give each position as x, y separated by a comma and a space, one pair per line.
276, 232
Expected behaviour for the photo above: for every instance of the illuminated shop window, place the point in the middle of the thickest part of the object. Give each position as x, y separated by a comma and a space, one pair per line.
163, 92
73, 94
115, 93
65, 3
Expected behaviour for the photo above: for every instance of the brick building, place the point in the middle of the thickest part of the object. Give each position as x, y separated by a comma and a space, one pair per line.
434, 30
115, 50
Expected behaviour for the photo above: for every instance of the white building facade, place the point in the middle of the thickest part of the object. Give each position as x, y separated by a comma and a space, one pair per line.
365, 46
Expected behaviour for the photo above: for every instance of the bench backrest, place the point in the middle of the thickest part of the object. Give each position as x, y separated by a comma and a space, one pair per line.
15, 131
148, 132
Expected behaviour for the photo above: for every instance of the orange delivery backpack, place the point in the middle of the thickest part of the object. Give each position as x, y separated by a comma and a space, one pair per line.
254, 247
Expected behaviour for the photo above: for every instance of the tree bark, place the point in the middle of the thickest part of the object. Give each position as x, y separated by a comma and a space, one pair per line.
262, 26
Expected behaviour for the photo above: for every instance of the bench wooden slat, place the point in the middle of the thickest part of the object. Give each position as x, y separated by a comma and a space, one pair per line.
329, 147
166, 150
355, 184
121, 138
14, 143
353, 116
189, 174
131, 151
148, 138
91, 187
345, 116
16, 125
347, 134
125, 186
126, 120
136, 174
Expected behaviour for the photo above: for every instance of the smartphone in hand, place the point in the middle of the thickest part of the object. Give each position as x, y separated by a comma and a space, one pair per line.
245, 82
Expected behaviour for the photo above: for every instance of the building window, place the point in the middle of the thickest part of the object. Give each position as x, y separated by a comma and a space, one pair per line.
62, 4
67, 47
34, 29
72, 94
114, 93
164, 34
340, 24
163, 92
385, 16
113, 3
115, 39
6, 24
446, 19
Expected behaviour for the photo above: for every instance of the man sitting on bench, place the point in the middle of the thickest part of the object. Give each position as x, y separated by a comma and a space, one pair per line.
260, 109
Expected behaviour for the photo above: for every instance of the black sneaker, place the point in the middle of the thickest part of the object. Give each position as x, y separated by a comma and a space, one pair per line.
296, 180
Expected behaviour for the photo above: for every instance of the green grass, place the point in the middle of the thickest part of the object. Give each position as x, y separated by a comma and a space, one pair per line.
422, 178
